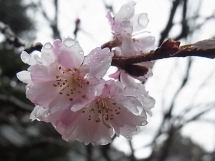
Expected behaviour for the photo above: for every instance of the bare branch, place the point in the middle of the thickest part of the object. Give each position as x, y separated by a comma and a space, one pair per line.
169, 25
10, 36
16, 101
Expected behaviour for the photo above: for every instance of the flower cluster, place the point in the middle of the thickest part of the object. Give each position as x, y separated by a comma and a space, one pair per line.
126, 27
69, 91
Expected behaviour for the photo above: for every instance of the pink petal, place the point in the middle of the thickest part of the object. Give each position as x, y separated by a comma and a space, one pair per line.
40, 74
99, 60
71, 54
47, 54
42, 94
125, 12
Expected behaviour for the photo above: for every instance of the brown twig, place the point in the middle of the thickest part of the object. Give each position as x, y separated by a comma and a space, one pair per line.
170, 49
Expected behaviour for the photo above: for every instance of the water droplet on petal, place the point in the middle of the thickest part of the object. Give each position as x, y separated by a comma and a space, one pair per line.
27, 87
47, 113
69, 42
125, 23
66, 139
143, 20
81, 52
144, 123
48, 45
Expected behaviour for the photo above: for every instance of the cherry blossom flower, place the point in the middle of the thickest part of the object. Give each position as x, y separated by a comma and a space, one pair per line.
125, 24
60, 77
116, 110
69, 91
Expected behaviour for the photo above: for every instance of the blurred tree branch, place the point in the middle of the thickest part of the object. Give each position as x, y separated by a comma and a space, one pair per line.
16, 101
10, 36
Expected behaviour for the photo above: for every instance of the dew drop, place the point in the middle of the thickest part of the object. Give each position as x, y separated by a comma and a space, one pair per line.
37, 119
81, 52
125, 23
48, 45
47, 113
27, 87
69, 42
144, 123
66, 139
143, 20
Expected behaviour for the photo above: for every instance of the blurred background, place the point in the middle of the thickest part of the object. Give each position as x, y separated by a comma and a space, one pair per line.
183, 124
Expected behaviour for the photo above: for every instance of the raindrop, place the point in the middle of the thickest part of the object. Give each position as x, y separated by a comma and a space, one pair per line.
81, 52
48, 45
66, 139
69, 42
47, 113
37, 119
27, 87
143, 20
125, 23
144, 123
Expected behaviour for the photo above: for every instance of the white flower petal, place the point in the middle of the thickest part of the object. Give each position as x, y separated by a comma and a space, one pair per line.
24, 76
28, 59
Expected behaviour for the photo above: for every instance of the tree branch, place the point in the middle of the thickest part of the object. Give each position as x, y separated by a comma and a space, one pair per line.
16, 101
10, 36
169, 49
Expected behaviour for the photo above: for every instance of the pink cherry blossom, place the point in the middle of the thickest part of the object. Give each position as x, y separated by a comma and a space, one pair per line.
125, 24
69, 91
60, 77
116, 110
